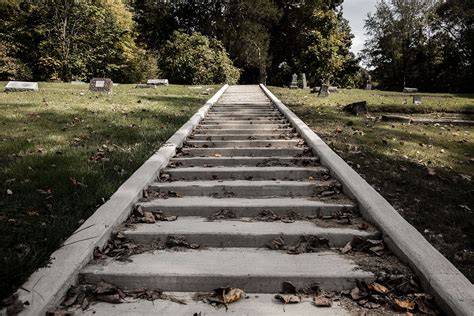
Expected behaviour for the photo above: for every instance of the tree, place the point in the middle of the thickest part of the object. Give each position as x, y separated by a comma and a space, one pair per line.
196, 59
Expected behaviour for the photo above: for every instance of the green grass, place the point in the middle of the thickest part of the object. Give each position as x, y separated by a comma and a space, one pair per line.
423, 171
64, 151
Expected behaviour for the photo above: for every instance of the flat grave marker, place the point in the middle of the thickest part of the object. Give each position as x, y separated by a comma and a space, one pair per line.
158, 82
17, 86
410, 90
417, 99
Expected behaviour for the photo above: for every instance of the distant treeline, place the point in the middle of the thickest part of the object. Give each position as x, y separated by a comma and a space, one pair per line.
229, 41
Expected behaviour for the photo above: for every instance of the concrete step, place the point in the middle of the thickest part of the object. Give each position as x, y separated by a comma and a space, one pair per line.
257, 304
245, 188
249, 121
244, 161
250, 118
254, 270
254, 152
246, 173
245, 207
228, 233
223, 131
243, 126
243, 137
275, 143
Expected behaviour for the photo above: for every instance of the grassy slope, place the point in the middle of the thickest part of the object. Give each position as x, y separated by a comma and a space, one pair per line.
423, 171
62, 154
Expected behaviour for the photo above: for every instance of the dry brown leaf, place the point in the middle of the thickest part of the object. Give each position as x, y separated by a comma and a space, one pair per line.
322, 301
379, 288
346, 248
149, 218
233, 295
288, 298
404, 304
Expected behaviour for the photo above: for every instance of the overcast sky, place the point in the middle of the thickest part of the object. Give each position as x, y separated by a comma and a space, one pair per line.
356, 12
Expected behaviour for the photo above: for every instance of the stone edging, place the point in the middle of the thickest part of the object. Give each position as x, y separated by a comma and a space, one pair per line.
47, 286
452, 290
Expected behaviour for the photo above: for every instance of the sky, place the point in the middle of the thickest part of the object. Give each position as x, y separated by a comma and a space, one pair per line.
356, 11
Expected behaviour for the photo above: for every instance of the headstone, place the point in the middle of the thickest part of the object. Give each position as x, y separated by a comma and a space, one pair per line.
77, 82
294, 81
417, 99
332, 89
368, 86
324, 91
101, 85
305, 83
13, 86
145, 86
410, 90
158, 82
357, 108
316, 89
115, 84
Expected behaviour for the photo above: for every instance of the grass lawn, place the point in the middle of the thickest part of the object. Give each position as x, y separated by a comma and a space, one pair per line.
64, 151
424, 171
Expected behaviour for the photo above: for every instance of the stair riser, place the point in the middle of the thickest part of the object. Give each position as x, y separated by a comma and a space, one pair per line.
243, 137
247, 211
243, 126
250, 161
205, 283
244, 191
243, 175
211, 131
245, 144
255, 152
241, 240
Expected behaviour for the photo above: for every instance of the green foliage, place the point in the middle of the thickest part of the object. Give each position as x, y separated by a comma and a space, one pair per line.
422, 43
196, 59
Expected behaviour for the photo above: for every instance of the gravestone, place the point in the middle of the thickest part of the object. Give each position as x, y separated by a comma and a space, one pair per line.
324, 91
77, 82
294, 81
101, 85
417, 99
14, 86
332, 89
357, 108
410, 90
316, 89
368, 86
305, 83
145, 86
158, 82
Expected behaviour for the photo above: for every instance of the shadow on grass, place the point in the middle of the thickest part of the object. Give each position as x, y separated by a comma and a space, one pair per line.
48, 203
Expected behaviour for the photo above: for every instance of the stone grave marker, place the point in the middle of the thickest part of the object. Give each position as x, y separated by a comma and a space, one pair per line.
158, 82
332, 89
294, 81
368, 86
410, 90
305, 83
324, 91
101, 85
14, 86
356, 108
417, 99
77, 82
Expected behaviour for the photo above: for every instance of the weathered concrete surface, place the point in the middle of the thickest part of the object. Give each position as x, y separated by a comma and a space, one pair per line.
246, 207
244, 161
241, 233
254, 270
256, 304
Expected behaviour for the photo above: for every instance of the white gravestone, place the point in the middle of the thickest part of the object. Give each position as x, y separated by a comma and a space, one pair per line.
158, 82
13, 86
100, 84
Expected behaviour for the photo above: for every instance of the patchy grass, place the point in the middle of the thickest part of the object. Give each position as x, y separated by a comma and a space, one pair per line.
64, 151
424, 171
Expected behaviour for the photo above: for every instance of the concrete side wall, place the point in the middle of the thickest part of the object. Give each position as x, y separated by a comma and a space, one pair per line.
452, 290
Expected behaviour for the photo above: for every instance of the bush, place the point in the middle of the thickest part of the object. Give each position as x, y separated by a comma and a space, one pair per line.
196, 59
12, 68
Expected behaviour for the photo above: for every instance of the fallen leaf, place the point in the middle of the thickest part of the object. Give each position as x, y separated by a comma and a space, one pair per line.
356, 294
322, 301
346, 248
404, 304
148, 217
379, 288
9, 192
288, 298
232, 295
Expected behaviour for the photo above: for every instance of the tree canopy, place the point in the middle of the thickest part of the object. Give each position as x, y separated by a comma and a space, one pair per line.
422, 43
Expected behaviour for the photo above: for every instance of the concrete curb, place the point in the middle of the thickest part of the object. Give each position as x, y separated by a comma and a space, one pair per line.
47, 286
453, 291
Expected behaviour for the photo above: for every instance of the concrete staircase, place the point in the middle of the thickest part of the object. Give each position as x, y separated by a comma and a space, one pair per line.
246, 158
